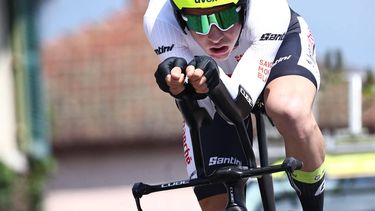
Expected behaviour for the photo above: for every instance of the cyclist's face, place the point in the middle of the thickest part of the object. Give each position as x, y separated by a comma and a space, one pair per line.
217, 43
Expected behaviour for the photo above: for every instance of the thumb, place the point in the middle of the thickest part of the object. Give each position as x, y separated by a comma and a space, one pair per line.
176, 73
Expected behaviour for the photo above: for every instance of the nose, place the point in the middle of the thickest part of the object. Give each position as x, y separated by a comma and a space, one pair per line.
215, 35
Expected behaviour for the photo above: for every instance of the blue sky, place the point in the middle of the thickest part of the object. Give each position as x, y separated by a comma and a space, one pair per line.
348, 25
64, 16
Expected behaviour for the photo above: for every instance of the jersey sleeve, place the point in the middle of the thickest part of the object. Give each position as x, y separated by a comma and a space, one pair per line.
266, 24
164, 34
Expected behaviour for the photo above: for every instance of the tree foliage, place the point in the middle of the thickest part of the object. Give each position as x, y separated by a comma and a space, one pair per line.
333, 67
369, 83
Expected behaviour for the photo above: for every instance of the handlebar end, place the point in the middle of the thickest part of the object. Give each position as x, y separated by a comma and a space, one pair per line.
138, 190
291, 164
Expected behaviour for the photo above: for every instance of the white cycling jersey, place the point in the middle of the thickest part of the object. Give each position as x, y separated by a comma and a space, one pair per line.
249, 64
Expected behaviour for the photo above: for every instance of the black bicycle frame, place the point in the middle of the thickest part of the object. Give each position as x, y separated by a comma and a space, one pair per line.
233, 177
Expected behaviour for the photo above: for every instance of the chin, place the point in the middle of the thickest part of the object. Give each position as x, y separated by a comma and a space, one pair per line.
220, 58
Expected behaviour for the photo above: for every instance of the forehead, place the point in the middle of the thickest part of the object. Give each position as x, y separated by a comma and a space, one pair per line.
205, 11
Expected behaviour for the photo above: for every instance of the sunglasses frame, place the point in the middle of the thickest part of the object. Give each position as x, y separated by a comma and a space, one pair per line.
186, 19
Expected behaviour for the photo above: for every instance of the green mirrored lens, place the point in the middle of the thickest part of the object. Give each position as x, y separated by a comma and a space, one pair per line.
228, 18
222, 19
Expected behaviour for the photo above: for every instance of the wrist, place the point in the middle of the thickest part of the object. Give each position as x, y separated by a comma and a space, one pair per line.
190, 91
176, 91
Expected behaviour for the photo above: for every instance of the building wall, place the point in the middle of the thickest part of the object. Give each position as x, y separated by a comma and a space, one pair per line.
333, 106
9, 153
101, 85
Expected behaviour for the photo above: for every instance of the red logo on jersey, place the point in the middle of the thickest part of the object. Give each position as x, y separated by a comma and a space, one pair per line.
238, 57
311, 44
187, 156
264, 69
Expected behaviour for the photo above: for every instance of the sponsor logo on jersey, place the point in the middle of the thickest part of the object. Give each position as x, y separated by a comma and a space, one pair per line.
187, 156
311, 45
238, 57
270, 36
281, 59
223, 160
264, 69
162, 49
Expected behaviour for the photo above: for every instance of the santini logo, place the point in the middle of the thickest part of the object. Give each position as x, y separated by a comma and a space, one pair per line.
163, 49
270, 36
223, 160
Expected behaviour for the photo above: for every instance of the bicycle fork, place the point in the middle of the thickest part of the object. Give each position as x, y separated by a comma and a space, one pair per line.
236, 195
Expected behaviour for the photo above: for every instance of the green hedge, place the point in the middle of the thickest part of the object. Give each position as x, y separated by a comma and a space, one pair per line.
24, 192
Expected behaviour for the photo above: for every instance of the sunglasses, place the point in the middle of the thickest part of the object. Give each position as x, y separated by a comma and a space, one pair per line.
224, 20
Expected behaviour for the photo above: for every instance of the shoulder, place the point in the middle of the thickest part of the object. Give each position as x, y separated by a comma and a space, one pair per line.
163, 31
267, 16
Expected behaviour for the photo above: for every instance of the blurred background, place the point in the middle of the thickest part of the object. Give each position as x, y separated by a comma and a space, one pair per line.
81, 118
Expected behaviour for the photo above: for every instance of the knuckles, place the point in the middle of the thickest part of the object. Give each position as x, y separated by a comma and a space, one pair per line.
201, 67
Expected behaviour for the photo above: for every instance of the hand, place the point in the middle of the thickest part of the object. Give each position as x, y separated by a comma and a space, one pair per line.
203, 74
170, 75
197, 79
175, 80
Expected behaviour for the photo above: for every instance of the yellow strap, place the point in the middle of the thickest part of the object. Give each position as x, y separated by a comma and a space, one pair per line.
309, 177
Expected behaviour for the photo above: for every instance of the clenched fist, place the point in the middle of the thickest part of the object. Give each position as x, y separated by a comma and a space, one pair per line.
203, 74
170, 75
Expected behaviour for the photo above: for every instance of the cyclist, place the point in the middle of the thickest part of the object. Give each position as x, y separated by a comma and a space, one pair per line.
257, 49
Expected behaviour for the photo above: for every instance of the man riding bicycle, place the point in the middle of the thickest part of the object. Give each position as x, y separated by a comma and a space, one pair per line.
257, 49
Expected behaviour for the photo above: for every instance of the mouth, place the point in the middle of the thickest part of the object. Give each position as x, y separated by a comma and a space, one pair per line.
219, 52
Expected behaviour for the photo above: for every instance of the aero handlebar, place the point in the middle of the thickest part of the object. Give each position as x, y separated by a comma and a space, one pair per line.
232, 176
229, 173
